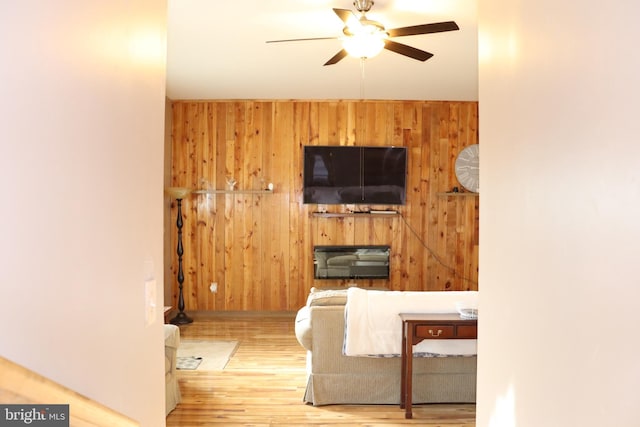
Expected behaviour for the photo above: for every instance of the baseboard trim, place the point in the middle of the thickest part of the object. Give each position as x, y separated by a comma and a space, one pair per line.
208, 314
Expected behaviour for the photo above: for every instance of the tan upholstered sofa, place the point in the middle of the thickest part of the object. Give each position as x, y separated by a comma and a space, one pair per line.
337, 379
171, 344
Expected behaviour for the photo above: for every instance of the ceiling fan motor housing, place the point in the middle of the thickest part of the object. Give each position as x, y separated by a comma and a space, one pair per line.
363, 5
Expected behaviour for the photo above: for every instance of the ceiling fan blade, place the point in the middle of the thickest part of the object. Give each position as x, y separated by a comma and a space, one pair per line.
345, 14
436, 27
337, 57
405, 50
301, 40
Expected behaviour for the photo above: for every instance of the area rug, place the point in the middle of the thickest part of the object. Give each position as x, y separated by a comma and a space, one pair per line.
212, 355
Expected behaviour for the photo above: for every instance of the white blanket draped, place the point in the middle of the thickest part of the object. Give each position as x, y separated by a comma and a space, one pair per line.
373, 327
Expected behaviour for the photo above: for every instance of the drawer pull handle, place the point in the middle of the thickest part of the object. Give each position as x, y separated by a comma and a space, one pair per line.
435, 334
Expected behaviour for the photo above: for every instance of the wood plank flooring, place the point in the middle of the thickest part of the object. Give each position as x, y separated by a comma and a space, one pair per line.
263, 383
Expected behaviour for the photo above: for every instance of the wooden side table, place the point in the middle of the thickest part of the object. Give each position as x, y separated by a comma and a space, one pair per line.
421, 326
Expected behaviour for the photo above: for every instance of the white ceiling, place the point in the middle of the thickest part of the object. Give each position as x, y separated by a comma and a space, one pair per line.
216, 49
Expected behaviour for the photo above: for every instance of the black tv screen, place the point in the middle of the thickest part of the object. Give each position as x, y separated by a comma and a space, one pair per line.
354, 175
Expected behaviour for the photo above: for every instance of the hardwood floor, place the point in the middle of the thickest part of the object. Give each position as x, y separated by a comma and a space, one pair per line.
263, 383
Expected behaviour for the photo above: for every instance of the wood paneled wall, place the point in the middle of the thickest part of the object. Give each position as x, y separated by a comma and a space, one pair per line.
259, 247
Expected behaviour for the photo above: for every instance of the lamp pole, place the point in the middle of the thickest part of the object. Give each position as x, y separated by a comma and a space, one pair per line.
181, 318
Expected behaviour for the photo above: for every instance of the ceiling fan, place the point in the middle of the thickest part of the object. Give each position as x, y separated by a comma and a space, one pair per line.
364, 38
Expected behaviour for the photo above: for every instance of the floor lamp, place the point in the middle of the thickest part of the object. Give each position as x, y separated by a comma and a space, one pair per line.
180, 193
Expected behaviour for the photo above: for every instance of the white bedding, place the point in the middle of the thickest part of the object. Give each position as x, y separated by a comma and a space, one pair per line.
373, 327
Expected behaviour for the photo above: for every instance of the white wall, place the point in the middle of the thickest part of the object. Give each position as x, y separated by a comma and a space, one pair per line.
81, 165
560, 213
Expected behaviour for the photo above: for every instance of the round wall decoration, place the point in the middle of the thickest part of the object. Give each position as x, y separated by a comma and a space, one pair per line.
467, 168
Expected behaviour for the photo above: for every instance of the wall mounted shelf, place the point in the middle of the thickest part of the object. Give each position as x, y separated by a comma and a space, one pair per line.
459, 194
233, 192
353, 215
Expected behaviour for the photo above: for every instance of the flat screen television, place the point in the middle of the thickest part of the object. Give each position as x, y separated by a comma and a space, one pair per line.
351, 262
354, 175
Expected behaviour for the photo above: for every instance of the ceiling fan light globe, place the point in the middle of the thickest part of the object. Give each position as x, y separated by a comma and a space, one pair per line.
364, 45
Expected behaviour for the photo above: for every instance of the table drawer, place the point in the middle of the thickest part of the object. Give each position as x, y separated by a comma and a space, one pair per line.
467, 331
435, 331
